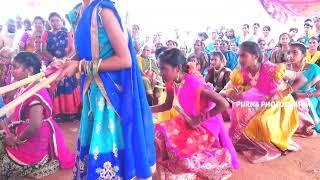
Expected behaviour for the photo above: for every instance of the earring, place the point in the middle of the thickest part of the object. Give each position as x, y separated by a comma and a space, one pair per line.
178, 78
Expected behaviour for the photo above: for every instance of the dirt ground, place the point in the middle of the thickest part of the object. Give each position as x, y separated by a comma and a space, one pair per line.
304, 165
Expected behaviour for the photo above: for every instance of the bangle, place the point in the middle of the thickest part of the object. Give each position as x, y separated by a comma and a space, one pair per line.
98, 67
95, 67
80, 67
88, 69
290, 89
94, 64
17, 140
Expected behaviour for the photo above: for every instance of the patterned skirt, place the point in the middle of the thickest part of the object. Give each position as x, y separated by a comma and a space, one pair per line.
66, 97
9, 169
185, 153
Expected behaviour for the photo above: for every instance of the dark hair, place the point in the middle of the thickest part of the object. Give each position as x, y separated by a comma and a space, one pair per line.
282, 34
199, 41
260, 40
27, 21
28, 59
191, 57
219, 54
315, 38
174, 57
252, 48
54, 14
159, 51
293, 29
39, 18
306, 21
300, 46
256, 24
246, 25
225, 41
136, 26
173, 42
233, 41
203, 34
233, 34
267, 27
301, 38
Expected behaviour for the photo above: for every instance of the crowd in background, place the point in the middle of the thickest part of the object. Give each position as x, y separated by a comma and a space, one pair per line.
206, 73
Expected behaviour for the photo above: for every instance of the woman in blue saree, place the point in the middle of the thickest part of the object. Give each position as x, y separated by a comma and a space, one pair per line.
308, 96
116, 136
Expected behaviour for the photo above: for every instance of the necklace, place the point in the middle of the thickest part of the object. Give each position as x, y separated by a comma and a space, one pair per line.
254, 79
299, 69
302, 67
177, 87
217, 74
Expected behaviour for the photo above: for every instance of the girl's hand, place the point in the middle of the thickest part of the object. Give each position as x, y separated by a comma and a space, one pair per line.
234, 96
10, 141
71, 68
276, 97
298, 96
68, 69
195, 122
192, 122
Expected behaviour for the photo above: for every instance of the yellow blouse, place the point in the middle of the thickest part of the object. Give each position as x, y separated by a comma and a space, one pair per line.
314, 58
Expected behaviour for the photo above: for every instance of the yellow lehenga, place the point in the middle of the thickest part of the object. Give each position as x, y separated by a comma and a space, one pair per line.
262, 129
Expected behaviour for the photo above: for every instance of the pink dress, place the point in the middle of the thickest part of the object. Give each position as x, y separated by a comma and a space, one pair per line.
182, 152
47, 142
261, 130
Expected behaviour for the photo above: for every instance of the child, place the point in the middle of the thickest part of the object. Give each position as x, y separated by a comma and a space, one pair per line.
218, 74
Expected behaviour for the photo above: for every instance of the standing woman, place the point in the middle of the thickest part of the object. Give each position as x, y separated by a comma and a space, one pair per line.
29, 38
66, 94
268, 38
116, 136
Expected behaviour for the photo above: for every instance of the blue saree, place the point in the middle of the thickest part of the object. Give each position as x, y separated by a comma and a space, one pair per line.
116, 136
312, 74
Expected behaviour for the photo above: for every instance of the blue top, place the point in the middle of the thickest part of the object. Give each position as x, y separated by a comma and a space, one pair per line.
232, 59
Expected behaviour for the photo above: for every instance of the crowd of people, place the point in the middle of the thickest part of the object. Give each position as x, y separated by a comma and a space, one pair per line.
150, 108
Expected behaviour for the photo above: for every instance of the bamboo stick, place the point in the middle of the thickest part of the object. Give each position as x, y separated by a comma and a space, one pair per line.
21, 83
185, 116
43, 84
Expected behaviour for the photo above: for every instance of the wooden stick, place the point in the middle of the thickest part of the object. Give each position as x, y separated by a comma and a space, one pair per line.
28, 80
160, 87
185, 116
43, 84
21, 83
